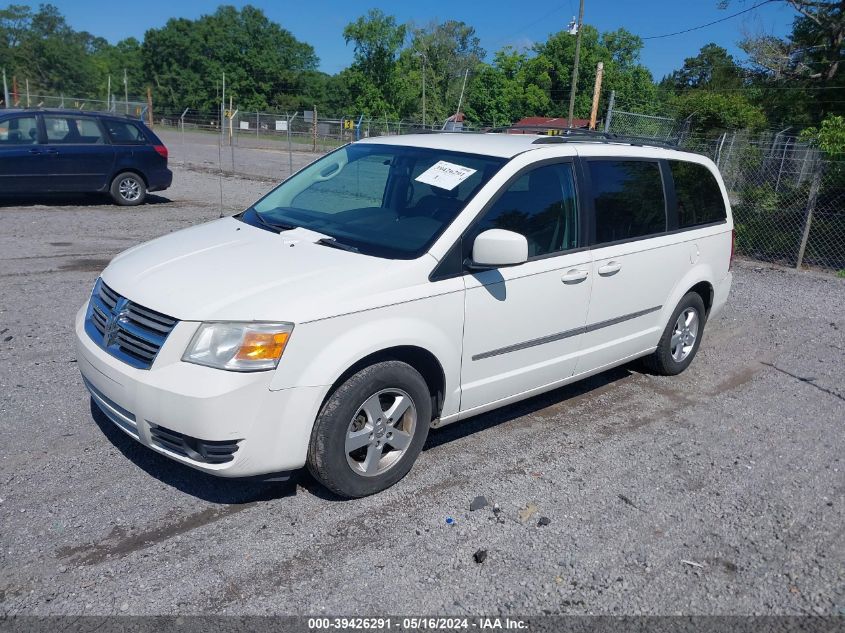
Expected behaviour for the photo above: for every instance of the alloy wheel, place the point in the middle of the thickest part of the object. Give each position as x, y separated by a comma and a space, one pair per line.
380, 432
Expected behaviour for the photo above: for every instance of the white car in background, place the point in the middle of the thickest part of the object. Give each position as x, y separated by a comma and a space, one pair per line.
399, 284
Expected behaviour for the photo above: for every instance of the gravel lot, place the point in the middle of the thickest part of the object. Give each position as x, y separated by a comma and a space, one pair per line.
717, 491
265, 157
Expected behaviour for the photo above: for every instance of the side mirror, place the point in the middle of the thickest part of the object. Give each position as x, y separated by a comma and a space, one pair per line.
496, 248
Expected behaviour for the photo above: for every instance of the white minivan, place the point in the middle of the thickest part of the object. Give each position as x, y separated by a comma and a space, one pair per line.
399, 284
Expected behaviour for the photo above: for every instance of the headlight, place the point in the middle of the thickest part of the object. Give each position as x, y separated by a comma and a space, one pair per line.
238, 346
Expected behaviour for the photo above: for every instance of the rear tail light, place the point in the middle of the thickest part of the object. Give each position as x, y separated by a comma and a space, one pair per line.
161, 150
733, 248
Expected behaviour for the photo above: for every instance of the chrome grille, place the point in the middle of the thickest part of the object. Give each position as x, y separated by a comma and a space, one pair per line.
126, 330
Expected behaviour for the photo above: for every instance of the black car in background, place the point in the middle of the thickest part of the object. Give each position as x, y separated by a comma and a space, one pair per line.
49, 150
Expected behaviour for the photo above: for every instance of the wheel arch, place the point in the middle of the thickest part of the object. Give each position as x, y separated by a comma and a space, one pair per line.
698, 280
131, 170
421, 359
705, 290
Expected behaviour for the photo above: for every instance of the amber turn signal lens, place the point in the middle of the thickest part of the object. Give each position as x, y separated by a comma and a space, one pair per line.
262, 346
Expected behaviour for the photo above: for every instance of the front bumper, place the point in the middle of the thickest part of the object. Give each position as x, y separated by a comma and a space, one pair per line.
270, 430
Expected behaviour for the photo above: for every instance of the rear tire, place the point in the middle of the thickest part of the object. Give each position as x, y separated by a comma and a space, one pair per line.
681, 338
128, 189
370, 430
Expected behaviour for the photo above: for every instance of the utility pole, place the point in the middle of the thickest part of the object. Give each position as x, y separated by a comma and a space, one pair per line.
27, 92
461, 99
423, 78
575, 63
126, 92
424, 60
108, 95
596, 94
5, 90
150, 105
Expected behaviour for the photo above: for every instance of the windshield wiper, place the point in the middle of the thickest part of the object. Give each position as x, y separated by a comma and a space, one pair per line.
333, 243
281, 226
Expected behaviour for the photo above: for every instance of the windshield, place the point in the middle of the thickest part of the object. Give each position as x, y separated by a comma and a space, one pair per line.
384, 200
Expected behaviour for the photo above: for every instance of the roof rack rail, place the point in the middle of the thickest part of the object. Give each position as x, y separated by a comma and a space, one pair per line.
55, 109
552, 135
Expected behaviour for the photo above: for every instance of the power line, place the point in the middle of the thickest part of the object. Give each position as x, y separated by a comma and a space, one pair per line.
695, 28
529, 25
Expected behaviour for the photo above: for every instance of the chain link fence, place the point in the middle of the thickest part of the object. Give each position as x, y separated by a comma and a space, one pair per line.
788, 201
133, 107
646, 126
232, 142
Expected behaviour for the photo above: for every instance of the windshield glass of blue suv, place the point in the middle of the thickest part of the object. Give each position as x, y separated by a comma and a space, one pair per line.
382, 200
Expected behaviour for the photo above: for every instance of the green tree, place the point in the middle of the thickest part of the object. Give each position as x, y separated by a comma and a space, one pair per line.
619, 51
113, 60
718, 111
377, 40
447, 51
713, 68
800, 77
501, 94
263, 62
828, 137
39, 46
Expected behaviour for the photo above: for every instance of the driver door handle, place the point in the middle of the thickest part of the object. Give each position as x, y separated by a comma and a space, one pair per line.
574, 276
610, 268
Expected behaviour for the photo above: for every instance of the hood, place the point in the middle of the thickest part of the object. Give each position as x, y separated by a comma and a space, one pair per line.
228, 270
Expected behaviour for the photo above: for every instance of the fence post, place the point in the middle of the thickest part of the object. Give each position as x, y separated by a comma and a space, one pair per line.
782, 161
811, 207
290, 147
610, 110
719, 150
315, 129
182, 126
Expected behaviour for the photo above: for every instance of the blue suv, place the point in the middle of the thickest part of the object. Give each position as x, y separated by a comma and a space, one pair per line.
72, 151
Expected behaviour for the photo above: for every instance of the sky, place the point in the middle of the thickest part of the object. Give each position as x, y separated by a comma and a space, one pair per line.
498, 23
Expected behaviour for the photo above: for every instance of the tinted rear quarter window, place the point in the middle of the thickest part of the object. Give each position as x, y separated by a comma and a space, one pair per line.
699, 198
628, 199
124, 132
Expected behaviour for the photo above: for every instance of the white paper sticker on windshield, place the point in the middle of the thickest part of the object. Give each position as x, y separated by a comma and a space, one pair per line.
445, 175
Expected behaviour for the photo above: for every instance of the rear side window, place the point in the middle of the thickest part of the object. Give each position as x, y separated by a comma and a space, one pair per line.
628, 199
699, 198
124, 132
76, 130
541, 206
19, 131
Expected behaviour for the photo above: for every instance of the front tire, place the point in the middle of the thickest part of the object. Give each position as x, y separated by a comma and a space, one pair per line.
128, 189
681, 338
370, 430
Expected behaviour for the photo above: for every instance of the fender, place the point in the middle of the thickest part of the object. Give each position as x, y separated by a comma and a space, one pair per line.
714, 250
321, 351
